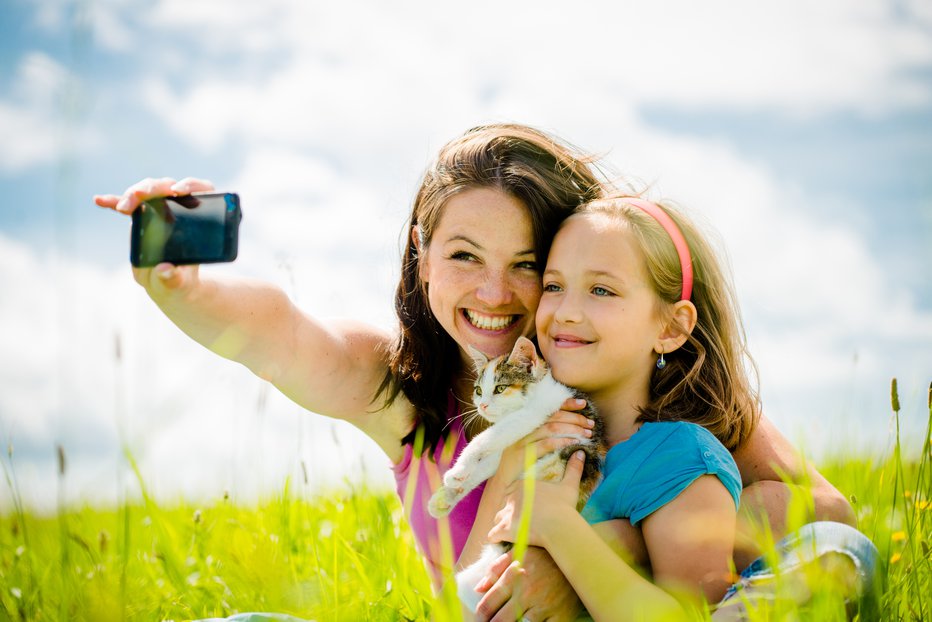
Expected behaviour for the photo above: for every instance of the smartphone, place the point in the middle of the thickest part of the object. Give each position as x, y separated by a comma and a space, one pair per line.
190, 229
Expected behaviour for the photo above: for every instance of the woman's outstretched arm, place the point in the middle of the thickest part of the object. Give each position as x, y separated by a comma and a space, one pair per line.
331, 368
764, 460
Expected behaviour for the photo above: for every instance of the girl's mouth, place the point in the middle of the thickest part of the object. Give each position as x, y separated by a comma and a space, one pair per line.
569, 341
483, 321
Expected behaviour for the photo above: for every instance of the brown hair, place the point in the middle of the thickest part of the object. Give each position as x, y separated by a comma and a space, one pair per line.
550, 178
706, 380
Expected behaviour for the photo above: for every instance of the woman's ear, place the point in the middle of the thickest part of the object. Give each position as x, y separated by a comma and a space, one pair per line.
678, 328
421, 254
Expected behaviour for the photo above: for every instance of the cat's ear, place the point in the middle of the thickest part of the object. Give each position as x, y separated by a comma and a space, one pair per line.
479, 359
524, 354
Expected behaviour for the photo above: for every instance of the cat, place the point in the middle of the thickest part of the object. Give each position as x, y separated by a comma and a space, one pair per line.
516, 393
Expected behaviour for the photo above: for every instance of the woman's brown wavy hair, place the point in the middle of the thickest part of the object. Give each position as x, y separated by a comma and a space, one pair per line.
549, 177
708, 380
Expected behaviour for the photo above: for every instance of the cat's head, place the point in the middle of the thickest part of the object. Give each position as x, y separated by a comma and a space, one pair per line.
501, 383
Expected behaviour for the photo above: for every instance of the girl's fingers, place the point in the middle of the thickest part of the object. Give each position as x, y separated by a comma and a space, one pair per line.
574, 469
573, 404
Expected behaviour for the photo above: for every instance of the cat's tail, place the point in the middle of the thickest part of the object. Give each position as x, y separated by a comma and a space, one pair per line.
468, 578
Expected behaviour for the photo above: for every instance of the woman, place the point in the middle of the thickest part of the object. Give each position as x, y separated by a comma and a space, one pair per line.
480, 230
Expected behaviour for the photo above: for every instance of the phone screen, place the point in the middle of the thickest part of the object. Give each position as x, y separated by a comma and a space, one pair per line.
190, 229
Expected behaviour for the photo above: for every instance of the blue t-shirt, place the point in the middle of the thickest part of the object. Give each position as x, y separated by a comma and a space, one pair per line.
647, 471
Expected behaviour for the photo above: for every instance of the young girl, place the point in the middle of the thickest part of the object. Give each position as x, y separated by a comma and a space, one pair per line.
638, 313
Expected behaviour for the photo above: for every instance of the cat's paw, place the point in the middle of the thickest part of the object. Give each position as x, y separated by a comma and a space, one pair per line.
454, 479
442, 502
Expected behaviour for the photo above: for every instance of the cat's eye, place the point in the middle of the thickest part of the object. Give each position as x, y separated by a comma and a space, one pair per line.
500, 388
479, 391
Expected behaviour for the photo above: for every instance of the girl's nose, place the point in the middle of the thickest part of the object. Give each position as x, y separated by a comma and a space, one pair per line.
568, 311
494, 291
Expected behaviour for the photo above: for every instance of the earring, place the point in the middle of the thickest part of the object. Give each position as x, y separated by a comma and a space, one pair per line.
660, 362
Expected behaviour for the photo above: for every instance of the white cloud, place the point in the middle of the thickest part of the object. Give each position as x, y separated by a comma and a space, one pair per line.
35, 120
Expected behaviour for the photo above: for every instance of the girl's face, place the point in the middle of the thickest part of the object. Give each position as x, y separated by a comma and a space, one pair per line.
597, 322
481, 271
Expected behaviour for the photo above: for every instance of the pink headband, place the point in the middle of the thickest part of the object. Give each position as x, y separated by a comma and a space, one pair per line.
682, 249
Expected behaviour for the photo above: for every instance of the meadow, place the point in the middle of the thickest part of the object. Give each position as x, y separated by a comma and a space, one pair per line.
351, 556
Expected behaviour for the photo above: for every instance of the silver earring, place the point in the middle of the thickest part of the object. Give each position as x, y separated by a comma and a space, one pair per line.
660, 362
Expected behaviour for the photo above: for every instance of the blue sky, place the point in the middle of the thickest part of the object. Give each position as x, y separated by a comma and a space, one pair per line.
801, 133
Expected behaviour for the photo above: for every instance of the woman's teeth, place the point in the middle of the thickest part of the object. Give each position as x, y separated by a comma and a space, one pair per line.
489, 322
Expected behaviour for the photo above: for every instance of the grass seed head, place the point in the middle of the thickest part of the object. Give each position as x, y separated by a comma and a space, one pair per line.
894, 396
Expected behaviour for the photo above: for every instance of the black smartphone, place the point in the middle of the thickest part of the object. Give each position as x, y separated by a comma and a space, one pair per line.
190, 229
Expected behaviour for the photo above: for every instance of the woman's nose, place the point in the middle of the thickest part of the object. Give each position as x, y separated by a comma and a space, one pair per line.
494, 291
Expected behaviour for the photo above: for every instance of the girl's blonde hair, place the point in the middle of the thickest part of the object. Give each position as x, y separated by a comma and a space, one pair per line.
708, 379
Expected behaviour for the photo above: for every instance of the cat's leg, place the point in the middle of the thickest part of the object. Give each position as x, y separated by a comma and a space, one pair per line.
468, 578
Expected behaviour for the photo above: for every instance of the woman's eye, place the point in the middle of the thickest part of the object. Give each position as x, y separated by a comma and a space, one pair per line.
527, 265
500, 388
601, 291
463, 256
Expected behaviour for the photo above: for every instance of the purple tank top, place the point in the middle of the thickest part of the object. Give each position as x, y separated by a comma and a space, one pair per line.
440, 540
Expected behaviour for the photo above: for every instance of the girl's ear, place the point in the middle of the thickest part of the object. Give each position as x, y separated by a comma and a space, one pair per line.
678, 328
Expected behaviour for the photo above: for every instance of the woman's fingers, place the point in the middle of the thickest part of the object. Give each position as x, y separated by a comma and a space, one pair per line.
497, 603
192, 184
107, 200
127, 202
494, 572
165, 277
142, 190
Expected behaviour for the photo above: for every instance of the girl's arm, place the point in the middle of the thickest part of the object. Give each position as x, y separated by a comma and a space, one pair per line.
333, 369
764, 460
692, 554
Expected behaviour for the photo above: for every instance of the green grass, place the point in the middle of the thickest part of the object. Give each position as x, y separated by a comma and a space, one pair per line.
350, 555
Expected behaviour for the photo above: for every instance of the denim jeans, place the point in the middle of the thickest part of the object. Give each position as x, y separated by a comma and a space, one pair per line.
811, 543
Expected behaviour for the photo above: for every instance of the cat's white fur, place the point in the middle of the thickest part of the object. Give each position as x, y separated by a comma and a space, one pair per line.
514, 417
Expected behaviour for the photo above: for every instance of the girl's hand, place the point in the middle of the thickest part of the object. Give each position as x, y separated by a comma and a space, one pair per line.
561, 430
537, 589
551, 500
165, 278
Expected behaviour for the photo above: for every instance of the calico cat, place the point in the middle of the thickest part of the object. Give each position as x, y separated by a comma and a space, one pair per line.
516, 394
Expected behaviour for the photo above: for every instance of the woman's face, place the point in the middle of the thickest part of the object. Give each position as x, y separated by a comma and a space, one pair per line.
481, 271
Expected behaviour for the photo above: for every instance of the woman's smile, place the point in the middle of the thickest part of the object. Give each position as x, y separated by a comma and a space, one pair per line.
481, 271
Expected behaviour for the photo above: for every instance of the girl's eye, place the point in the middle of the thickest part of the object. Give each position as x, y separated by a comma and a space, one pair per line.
479, 391
551, 287
500, 388
601, 291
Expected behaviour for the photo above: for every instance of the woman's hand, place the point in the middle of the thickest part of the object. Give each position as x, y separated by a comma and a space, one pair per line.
536, 583
537, 589
165, 278
564, 428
